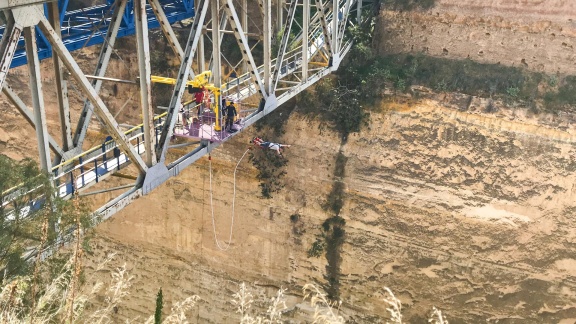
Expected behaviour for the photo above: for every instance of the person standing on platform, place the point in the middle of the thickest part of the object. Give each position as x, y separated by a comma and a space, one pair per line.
230, 112
199, 100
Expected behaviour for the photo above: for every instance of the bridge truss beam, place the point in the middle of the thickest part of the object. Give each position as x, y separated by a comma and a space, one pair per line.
260, 76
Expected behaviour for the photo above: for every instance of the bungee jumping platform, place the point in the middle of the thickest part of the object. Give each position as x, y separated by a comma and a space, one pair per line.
204, 128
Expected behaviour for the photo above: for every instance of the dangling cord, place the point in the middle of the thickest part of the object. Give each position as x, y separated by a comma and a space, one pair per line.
221, 248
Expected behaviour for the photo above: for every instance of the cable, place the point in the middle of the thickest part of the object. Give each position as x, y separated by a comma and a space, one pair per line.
233, 204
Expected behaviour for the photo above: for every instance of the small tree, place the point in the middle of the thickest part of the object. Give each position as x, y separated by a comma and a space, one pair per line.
159, 305
32, 219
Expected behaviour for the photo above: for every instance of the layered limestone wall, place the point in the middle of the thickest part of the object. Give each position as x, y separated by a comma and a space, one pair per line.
539, 35
467, 211
445, 204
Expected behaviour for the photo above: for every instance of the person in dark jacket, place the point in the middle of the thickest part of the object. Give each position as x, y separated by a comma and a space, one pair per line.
230, 113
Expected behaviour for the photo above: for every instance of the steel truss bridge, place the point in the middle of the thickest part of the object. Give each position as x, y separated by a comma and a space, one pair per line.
314, 41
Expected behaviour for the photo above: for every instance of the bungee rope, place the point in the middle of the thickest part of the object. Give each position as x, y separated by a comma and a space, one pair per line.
227, 245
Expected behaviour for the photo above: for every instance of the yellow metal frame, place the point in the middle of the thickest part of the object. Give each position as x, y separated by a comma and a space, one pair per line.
200, 80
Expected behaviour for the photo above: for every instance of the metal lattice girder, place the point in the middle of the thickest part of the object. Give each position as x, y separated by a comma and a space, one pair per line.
150, 177
244, 24
143, 52
60, 82
99, 106
216, 67
335, 17
267, 42
344, 22
8, 47
37, 98
167, 29
324, 23
284, 43
223, 23
101, 67
183, 73
245, 47
305, 25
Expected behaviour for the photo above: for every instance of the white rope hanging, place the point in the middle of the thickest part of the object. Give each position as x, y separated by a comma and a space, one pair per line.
224, 246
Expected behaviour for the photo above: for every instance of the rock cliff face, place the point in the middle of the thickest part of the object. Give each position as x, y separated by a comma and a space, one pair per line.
447, 205
467, 211
539, 35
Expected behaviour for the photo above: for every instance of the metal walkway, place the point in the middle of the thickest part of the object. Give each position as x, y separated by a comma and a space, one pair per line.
88, 26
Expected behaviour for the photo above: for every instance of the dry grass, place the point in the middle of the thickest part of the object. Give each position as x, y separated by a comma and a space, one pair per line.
436, 317
243, 300
54, 304
325, 312
395, 308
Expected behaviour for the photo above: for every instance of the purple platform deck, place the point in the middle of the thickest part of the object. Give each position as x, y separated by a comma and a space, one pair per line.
203, 128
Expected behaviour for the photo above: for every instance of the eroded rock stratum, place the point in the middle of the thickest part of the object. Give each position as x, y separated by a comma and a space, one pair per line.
448, 206
468, 211
538, 35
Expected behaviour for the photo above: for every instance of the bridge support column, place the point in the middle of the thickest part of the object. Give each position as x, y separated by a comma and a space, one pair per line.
244, 24
335, 18
201, 54
283, 45
37, 98
8, 46
216, 65
305, 25
143, 48
279, 16
267, 30
61, 85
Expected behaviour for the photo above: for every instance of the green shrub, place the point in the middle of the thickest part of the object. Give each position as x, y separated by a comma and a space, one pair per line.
553, 81
513, 92
317, 248
271, 171
409, 4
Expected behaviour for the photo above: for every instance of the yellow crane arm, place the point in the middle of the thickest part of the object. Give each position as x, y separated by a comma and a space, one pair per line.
198, 81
